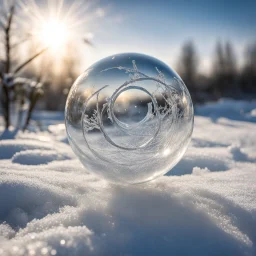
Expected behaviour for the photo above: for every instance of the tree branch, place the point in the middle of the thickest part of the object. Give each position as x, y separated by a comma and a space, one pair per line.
7, 40
29, 60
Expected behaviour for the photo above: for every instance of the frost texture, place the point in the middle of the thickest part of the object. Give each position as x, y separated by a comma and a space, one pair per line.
131, 118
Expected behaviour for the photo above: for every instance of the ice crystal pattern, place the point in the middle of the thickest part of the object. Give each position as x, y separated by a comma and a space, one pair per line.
127, 123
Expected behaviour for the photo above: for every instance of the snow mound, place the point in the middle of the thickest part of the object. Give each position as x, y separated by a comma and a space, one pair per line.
209, 158
9, 147
238, 110
205, 205
37, 157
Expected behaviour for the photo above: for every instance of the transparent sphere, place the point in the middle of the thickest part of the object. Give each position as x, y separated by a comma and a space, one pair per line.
129, 118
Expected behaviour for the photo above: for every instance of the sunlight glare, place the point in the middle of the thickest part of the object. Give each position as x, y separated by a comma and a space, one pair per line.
54, 34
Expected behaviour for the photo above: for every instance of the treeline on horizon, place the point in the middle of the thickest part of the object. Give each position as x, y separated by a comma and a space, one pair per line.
226, 78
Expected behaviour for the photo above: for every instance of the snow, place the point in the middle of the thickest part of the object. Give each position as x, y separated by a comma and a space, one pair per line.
206, 205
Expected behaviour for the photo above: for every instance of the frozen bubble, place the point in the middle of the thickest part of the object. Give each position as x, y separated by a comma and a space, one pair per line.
129, 118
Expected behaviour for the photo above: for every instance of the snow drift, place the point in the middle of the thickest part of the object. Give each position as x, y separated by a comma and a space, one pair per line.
206, 205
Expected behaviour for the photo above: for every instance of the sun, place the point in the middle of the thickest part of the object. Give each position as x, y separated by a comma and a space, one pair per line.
54, 34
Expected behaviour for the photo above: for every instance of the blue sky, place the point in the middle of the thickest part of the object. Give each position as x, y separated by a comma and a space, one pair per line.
159, 28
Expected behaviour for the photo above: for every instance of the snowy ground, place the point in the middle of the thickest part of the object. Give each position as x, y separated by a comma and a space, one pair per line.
50, 205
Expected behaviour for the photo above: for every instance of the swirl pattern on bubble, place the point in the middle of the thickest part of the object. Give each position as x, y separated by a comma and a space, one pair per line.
129, 118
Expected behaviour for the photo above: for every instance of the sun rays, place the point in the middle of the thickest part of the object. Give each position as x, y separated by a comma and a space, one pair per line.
54, 23
62, 27
54, 34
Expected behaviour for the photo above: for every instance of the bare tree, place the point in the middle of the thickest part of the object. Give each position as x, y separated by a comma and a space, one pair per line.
6, 27
224, 75
248, 76
8, 74
188, 64
219, 60
231, 63
188, 67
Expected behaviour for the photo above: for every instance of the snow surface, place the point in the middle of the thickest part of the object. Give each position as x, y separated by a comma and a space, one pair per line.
206, 205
